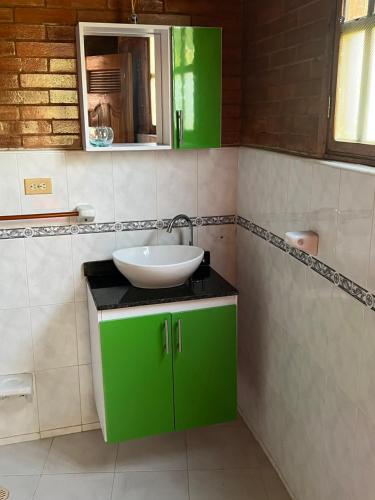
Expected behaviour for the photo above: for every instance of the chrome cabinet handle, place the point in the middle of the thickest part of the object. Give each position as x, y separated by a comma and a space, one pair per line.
180, 335
182, 128
180, 124
166, 331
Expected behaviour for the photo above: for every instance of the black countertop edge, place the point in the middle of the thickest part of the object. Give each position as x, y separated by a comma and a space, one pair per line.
111, 290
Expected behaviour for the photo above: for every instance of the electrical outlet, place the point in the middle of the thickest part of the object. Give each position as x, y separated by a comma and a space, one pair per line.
38, 186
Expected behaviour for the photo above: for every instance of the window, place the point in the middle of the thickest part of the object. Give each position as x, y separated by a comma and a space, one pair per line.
353, 115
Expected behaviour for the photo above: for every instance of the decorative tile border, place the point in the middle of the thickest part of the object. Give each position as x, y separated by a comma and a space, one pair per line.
110, 227
356, 291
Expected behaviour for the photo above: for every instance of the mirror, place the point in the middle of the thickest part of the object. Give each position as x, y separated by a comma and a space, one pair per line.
126, 102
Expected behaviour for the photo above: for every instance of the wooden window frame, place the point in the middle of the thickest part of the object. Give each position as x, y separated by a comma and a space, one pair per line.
339, 150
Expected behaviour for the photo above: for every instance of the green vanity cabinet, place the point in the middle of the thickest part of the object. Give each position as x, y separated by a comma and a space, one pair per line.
205, 361
138, 387
170, 371
196, 79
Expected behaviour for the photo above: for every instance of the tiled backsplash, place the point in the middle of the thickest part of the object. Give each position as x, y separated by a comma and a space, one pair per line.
288, 193
43, 314
306, 347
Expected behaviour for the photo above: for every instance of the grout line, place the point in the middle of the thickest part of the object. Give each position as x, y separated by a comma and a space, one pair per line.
372, 246
75, 297
213, 469
43, 370
113, 186
113, 484
19, 184
156, 168
338, 212
197, 183
114, 470
37, 486
35, 386
187, 463
47, 455
53, 474
66, 179
80, 392
116, 457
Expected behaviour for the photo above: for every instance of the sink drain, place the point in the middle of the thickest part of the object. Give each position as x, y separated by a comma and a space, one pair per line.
4, 494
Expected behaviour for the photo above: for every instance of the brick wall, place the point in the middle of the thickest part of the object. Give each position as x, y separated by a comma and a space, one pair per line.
38, 81
287, 58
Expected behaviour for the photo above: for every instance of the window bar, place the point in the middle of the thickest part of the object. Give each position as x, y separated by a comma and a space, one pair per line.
365, 77
343, 11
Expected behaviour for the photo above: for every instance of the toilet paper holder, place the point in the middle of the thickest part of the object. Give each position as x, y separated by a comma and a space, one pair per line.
16, 385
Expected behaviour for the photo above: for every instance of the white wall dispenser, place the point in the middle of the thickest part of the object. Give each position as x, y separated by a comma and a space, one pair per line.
86, 213
307, 241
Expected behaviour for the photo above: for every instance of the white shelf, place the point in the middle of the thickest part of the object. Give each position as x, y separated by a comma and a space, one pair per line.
129, 147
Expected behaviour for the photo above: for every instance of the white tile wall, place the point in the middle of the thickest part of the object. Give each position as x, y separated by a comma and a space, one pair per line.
90, 180
367, 367
307, 349
88, 247
10, 202
220, 240
54, 336
136, 238
177, 177
134, 178
49, 270
13, 283
43, 311
217, 181
58, 398
15, 331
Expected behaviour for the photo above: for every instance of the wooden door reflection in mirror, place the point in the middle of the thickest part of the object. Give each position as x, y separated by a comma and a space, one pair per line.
121, 87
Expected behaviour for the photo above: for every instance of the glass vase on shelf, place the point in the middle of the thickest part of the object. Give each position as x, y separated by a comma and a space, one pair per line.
100, 136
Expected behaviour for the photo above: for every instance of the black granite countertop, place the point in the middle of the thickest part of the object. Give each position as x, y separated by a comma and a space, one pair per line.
111, 290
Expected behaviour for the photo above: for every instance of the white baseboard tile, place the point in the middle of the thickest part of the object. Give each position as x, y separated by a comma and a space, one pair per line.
61, 432
19, 439
49, 434
91, 427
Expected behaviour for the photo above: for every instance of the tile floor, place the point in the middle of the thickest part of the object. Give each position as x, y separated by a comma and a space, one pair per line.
222, 462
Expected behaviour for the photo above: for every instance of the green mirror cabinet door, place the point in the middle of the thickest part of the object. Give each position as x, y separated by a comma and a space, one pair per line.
204, 366
137, 376
196, 63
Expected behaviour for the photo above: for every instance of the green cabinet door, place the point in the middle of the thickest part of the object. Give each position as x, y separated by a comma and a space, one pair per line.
196, 66
137, 376
205, 358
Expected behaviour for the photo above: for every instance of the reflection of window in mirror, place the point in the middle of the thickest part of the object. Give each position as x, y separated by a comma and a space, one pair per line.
121, 86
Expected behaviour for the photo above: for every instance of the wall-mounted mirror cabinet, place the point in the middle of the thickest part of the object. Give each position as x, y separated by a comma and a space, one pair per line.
149, 87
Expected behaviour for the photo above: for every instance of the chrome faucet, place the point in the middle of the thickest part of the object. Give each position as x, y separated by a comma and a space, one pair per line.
187, 219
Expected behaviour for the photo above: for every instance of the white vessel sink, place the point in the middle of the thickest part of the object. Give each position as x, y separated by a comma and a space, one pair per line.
159, 266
